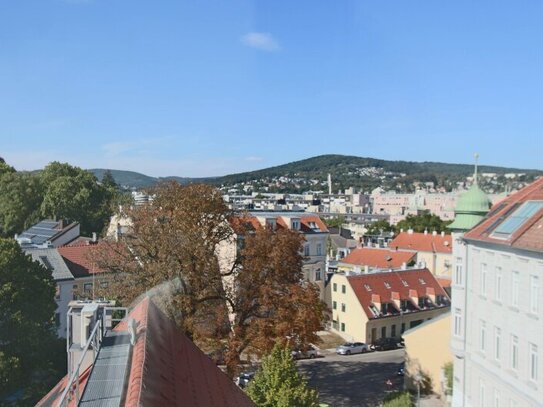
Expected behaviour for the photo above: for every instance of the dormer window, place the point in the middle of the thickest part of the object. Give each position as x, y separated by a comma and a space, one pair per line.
271, 223
295, 224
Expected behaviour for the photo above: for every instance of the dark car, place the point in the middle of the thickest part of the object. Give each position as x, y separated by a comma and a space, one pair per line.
385, 344
401, 370
244, 379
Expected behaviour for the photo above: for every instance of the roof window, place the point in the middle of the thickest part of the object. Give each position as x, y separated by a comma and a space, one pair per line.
517, 219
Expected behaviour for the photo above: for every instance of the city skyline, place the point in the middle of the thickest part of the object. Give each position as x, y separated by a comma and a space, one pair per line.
213, 89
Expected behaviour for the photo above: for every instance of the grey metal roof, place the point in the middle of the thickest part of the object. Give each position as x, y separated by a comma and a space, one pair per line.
42, 231
52, 260
106, 382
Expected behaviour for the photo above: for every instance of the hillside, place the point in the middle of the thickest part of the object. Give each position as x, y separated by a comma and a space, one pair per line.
359, 172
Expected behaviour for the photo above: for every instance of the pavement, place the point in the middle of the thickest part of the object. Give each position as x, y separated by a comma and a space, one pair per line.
354, 380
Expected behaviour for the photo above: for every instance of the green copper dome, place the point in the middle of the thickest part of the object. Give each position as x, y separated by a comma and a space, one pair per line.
471, 208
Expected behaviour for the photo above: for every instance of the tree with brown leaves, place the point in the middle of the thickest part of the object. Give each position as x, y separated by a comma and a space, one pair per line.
249, 302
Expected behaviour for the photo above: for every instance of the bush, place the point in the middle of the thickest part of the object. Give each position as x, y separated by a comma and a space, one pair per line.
398, 399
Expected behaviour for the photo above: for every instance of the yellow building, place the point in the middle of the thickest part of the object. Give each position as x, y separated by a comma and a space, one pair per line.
426, 353
367, 307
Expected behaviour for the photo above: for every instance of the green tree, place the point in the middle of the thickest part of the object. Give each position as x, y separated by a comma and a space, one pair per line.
448, 371
30, 356
21, 195
422, 222
75, 194
108, 181
381, 226
334, 222
398, 399
279, 384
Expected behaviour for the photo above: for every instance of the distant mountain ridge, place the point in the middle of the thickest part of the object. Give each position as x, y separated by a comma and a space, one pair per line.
346, 171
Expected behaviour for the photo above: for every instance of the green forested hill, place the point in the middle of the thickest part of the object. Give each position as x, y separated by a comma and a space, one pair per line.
360, 172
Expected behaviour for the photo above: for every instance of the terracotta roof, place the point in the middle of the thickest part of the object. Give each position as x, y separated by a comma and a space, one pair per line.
250, 221
528, 236
307, 219
79, 259
167, 369
381, 258
417, 283
421, 242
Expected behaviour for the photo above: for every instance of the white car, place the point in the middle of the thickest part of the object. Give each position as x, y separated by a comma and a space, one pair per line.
350, 348
311, 353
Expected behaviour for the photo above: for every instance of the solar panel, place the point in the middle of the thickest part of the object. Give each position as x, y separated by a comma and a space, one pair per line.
518, 218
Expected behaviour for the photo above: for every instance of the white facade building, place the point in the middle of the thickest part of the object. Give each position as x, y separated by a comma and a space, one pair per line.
497, 309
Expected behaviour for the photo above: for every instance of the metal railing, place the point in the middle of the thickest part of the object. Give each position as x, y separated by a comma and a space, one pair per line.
95, 339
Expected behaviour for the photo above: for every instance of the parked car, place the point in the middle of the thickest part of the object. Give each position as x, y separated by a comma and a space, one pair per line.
351, 348
310, 353
244, 379
385, 344
401, 370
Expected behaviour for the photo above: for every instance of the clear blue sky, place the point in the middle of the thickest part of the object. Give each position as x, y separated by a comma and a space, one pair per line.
198, 88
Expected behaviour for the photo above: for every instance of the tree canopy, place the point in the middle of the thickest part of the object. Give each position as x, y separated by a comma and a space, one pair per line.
240, 288
279, 384
30, 356
422, 222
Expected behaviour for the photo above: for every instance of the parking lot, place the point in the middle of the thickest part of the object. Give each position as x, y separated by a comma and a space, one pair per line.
355, 380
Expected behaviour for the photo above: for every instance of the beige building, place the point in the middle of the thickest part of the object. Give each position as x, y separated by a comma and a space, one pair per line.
366, 307
434, 250
426, 353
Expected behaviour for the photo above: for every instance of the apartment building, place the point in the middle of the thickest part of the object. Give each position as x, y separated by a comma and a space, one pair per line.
497, 310
433, 249
364, 259
382, 304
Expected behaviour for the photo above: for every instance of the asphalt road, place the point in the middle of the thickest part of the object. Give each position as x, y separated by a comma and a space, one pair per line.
355, 380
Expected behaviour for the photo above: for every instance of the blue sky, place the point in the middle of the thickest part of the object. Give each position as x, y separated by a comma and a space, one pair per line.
199, 88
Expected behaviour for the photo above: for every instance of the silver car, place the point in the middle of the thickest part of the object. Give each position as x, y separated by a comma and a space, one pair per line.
310, 353
351, 348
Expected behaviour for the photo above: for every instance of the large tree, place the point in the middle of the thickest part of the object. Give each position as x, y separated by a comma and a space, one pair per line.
257, 300
422, 222
21, 195
29, 351
75, 194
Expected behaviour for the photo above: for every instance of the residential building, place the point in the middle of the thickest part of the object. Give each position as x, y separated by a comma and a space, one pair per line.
426, 354
310, 225
143, 361
48, 233
366, 307
433, 249
364, 259
497, 328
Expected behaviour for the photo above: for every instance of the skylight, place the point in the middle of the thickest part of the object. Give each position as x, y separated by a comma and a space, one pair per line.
517, 219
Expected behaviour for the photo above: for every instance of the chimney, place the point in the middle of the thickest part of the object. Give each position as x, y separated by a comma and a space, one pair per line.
404, 266
409, 231
425, 232
442, 234
434, 233
366, 269
401, 230
61, 224
118, 232
94, 238
16, 236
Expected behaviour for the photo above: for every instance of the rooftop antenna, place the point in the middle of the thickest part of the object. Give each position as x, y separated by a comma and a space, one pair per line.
476, 156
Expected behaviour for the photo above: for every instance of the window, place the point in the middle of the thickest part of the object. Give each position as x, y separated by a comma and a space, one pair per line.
533, 362
497, 343
482, 282
319, 249
343, 307
457, 322
343, 289
384, 332
334, 305
57, 319
458, 272
104, 284
57, 292
403, 327
482, 336
517, 219
514, 352
87, 287
342, 327
335, 324
393, 331
306, 250
514, 288
496, 398
296, 224
534, 294
318, 276
334, 287
498, 284
481, 393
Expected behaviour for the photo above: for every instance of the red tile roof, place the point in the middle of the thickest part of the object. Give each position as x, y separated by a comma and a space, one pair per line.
167, 369
417, 283
251, 222
381, 258
529, 236
79, 259
421, 242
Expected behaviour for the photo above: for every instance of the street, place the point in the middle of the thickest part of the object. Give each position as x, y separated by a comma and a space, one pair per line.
355, 380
